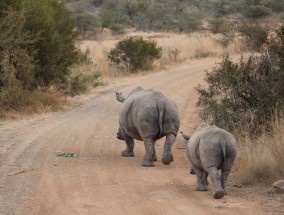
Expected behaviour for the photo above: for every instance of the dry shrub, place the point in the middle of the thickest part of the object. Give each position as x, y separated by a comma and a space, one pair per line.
276, 146
260, 160
24, 102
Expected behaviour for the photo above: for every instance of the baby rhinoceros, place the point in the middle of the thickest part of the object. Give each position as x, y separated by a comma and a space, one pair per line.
209, 149
148, 115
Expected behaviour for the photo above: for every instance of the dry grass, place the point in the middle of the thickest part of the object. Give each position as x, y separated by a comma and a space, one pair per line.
261, 160
176, 48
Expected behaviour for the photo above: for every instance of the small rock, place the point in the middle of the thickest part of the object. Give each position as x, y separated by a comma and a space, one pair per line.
237, 184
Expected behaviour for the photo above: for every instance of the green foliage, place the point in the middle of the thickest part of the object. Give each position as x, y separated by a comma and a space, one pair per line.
17, 64
87, 22
17, 59
81, 83
84, 77
276, 47
223, 27
56, 47
220, 26
135, 53
239, 95
113, 14
117, 29
248, 94
276, 5
255, 35
257, 11
35, 53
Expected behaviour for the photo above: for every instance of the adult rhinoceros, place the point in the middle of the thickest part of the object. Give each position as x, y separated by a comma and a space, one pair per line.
209, 149
148, 115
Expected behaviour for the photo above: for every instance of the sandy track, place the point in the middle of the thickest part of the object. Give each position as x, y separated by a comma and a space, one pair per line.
33, 180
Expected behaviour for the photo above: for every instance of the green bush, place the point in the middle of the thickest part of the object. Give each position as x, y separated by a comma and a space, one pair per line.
254, 34
248, 94
257, 11
220, 26
275, 48
239, 95
135, 53
81, 83
83, 77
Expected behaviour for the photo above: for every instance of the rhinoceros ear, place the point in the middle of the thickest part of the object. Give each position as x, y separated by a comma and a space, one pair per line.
119, 97
185, 136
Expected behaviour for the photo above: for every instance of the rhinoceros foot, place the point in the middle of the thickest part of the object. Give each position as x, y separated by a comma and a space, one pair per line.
127, 153
147, 163
201, 188
167, 158
218, 194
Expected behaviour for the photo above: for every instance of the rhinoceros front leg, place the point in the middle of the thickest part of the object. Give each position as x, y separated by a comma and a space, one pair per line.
150, 155
168, 157
214, 176
128, 152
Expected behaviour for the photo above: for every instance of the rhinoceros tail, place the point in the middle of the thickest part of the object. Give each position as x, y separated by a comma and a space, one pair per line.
119, 97
185, 136
223, 145
161, 110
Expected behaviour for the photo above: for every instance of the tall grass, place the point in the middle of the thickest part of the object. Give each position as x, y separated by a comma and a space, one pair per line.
261, 159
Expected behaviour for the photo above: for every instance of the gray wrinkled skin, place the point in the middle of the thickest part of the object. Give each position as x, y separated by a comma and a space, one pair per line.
148, 115
209, 149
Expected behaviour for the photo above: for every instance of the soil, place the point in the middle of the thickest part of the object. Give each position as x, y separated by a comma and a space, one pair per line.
95, 179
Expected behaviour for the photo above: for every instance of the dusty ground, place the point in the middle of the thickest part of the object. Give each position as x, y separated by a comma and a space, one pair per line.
33, 180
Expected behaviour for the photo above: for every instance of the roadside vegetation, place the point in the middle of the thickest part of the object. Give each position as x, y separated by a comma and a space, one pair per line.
73, 46
247, 99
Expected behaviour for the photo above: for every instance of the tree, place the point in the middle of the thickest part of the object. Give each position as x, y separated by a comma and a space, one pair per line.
113, 13
87, 21
57, 44
257, 11
17, 59
276, 47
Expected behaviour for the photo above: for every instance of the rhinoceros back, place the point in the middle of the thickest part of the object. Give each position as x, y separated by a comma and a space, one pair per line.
147, 113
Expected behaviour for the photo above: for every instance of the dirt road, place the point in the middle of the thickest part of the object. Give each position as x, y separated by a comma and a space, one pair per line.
33, 180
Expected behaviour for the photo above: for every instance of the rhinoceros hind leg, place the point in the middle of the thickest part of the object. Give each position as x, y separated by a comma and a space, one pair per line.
126, 153
201, 182
147, 163
150, 155
218, 194
168, 157
214, 176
